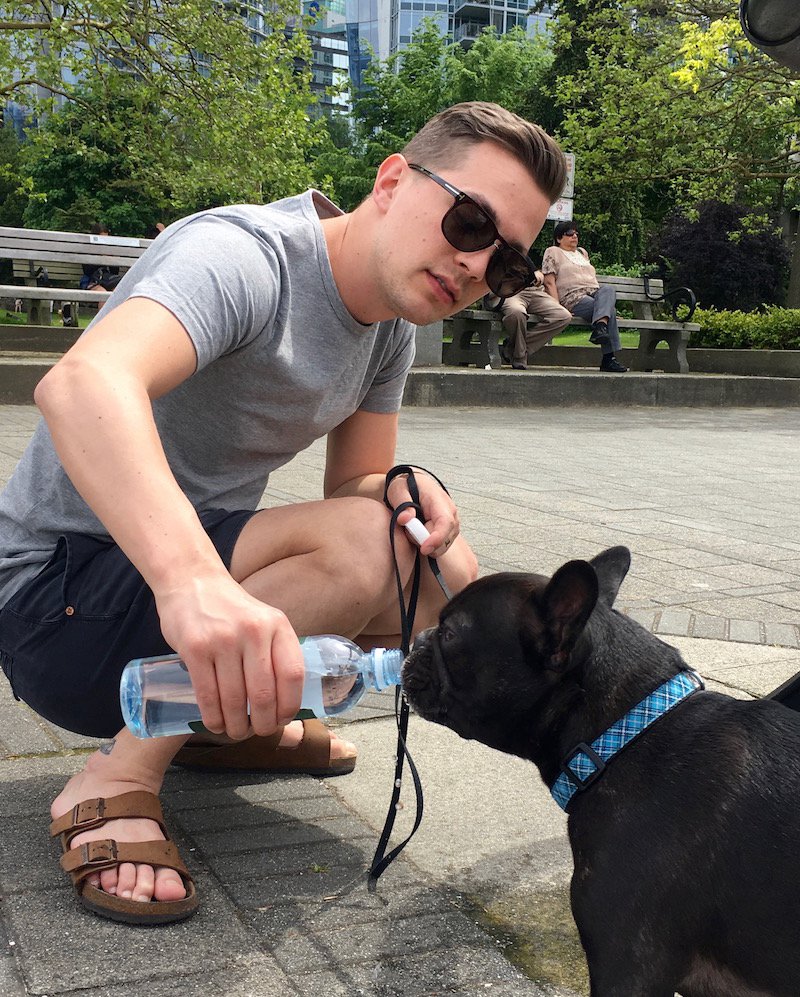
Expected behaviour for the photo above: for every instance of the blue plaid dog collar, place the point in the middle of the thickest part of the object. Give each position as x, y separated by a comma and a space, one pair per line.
587, 762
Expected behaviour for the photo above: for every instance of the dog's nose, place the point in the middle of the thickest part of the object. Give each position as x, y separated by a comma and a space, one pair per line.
423, 639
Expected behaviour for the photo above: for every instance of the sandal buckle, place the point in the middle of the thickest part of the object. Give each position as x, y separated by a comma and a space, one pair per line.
88, 811
99, 852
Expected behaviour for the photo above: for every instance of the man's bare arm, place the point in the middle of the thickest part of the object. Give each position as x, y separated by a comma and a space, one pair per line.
98, 405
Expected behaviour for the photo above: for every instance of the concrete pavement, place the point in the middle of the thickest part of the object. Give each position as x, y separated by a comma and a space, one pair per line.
707, 501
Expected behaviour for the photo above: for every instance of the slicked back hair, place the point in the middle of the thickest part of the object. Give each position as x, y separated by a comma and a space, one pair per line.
447, 137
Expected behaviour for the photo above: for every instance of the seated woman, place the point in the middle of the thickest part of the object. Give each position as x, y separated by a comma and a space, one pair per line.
571, 279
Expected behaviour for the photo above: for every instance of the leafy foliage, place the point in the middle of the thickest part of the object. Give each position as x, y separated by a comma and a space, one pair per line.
730, 255
665, 103
772, 329
12, 180
194, 112
403, 92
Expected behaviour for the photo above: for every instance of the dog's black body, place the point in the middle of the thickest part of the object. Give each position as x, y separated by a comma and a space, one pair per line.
687, 848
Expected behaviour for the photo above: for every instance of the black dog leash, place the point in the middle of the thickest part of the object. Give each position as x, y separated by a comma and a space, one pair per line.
381, 860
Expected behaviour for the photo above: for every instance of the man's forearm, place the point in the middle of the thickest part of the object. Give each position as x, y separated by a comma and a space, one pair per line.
104, 433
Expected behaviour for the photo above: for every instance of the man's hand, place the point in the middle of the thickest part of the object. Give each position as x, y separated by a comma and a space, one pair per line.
237, 650
439, 513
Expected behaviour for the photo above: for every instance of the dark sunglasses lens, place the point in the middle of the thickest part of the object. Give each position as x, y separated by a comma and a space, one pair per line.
508, 273
468, 228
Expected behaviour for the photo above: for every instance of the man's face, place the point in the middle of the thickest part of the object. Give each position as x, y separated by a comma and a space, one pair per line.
423, 277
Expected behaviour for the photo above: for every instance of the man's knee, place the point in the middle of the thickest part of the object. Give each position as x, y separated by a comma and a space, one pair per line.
362, 542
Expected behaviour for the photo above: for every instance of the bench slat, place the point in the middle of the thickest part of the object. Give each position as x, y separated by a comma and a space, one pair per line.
52, 293
43, 257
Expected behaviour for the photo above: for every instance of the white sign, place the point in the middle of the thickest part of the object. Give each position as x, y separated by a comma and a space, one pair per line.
569, 186
561, 211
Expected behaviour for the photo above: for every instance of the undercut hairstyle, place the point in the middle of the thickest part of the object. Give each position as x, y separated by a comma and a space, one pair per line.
446, 138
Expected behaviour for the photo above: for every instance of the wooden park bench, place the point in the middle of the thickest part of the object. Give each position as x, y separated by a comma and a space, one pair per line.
477, 333
47, 266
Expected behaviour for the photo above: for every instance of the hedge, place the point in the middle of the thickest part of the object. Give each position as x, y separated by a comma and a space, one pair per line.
773, 329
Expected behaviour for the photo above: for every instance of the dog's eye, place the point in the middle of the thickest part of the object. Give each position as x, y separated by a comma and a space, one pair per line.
446, 634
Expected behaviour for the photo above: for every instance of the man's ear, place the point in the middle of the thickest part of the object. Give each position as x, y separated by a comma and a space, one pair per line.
389, 174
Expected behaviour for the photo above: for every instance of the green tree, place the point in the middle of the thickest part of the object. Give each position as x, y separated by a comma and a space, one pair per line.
12, 181
430, 74
665, 104
204, 114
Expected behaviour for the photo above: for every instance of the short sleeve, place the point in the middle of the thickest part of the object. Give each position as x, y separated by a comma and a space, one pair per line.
385, 394
219, 281
550, 261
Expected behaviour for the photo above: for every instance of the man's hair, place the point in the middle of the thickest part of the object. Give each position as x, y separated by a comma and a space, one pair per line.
561, 229
447, 136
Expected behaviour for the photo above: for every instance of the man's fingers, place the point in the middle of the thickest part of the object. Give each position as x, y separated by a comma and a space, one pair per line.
289, 677
206, 693
232, 694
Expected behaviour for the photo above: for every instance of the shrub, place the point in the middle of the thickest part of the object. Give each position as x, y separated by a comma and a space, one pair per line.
772, 329
730, 255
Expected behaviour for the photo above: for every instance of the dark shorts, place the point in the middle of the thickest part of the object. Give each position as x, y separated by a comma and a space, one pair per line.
67, 634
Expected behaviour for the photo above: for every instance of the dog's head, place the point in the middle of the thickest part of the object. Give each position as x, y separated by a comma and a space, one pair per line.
505, 643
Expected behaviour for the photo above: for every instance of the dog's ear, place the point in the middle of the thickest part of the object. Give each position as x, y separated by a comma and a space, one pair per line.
611, 567
566, 604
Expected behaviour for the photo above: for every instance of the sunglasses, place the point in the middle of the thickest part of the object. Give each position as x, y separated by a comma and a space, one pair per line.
468, 228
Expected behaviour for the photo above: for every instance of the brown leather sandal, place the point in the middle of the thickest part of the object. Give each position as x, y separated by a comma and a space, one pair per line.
312, 756
94, 856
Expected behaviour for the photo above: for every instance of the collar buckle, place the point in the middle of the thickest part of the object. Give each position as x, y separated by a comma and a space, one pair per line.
582, 782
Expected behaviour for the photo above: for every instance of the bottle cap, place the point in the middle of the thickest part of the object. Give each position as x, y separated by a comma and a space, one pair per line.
387, 664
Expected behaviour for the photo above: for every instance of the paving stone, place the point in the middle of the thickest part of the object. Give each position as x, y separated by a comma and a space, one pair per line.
674, 621
404, 896
226, 818
62, 948
782, 634
444, 972
745, 630
249, 975
288, 833
645, 617
11, 984
296, 861
303, 950
713, 627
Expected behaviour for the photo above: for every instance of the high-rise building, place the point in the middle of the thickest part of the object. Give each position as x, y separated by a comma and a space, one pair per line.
378, 28
330, 64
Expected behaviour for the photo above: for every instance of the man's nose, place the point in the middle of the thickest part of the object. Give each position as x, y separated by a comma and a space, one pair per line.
475, 263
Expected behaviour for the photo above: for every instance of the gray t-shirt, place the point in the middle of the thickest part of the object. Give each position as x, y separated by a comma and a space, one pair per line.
280, 362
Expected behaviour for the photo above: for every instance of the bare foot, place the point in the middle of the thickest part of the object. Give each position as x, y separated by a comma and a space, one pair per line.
293, 735
106, 774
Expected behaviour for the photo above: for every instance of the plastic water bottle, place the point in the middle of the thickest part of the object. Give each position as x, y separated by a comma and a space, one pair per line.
157, 697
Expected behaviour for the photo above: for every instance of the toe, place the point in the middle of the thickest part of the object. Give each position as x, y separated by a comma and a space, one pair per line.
145, 882
107, 880
168, 885
126, 883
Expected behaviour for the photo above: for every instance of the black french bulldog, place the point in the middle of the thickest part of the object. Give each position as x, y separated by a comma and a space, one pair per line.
687, 845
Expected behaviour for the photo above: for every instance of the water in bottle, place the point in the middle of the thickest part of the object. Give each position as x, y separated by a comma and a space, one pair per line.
157, 697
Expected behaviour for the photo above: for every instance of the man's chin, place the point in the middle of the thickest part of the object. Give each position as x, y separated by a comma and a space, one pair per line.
427, 313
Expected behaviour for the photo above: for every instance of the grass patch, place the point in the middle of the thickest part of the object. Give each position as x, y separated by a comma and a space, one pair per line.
580, 337
537, 933
20, 318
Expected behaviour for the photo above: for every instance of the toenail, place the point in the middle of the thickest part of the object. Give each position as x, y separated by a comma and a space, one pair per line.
126, 894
